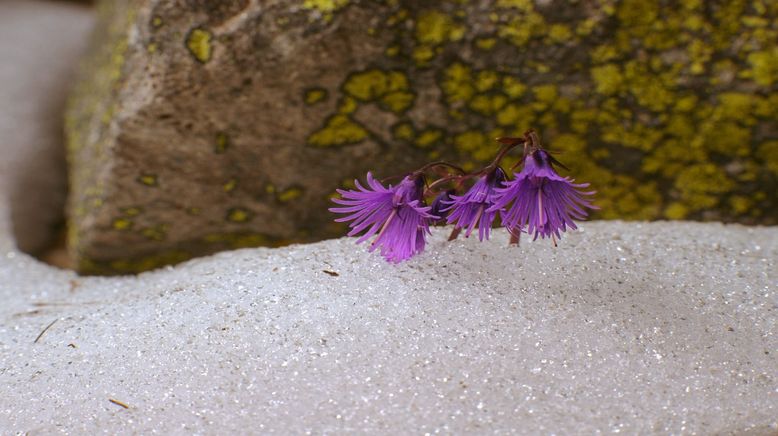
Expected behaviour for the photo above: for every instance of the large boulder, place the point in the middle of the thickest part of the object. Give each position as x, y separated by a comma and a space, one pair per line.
202, 125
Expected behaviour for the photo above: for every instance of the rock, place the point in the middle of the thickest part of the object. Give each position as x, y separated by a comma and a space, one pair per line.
221, 125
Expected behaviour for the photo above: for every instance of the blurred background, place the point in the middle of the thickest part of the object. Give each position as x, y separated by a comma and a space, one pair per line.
196, 126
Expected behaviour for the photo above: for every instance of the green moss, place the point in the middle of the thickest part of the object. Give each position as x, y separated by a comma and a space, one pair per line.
198, 42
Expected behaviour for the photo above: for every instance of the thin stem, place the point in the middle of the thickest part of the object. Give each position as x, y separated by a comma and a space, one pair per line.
508, 145
441, 181
396, 176
515, 238
439, 163
455, 233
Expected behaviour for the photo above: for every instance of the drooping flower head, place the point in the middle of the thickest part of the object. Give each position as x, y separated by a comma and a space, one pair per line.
439, 206
397, 214
541, 200
475, 206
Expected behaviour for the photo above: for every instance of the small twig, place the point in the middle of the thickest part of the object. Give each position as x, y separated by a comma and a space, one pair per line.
332, 273
515, 238
454, 233
44, 331
118, 403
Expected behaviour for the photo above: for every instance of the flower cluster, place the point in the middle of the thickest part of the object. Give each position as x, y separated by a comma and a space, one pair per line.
536, 201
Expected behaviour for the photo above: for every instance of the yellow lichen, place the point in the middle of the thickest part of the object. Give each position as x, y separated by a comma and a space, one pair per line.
403, 131
239, 215
290, 194
701, 184
391, 88
434, 28
676, 211
486, 80
398, 102
607, 79
199, 44
315, 95
428, 138
559, 33
222, 143
514, 114
131, 211
338, 130
148, 179
764, 65
230, 185
487, 104
512, 87
121, 224
155, 233
768, 152
485, 43
457, 83
324, 6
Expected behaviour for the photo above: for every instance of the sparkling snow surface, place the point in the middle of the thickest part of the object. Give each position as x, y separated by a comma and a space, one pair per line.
638, 328
648, 328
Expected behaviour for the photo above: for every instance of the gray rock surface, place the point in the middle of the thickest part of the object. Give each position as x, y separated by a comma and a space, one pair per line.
202, 126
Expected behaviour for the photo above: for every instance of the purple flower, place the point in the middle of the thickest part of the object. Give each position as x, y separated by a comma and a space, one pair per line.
439, 206
543, 201
398, 214
475, 207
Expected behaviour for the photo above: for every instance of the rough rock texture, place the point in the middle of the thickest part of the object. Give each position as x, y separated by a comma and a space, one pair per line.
207, 125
